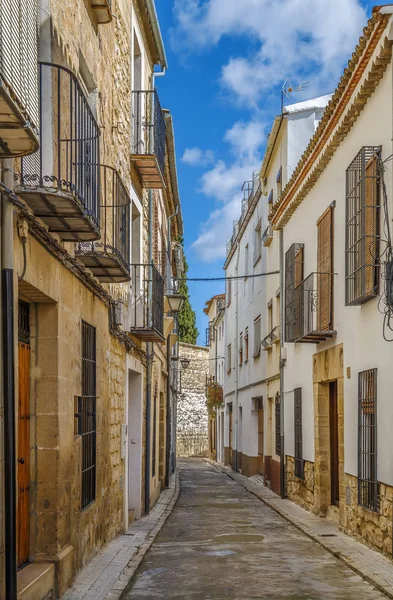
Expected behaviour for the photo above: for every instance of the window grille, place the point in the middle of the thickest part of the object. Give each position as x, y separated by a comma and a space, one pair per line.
368, 488
325, 271
154, 453
246, 345
299, 463
293, 277
88, 420
24, 322
257, 336
278, 424
362, 226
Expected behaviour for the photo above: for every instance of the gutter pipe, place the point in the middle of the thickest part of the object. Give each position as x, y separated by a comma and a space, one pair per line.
8, 366
282, 367
151, 9
236, 358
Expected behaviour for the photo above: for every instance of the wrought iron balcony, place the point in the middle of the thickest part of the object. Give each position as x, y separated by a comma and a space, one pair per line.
148, 151
272, 338
313, 309
102, 10
147, 303
61, 182
19, 113
109, 257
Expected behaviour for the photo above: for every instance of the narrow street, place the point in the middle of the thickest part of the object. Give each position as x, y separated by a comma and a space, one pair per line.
222, 542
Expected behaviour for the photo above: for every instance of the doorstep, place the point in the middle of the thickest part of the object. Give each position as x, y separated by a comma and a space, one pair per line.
369, 564
37, 582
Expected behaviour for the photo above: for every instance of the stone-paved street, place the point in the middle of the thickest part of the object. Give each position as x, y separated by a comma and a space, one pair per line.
222, 542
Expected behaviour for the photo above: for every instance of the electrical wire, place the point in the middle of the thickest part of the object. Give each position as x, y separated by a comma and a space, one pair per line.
206, 279
385, 303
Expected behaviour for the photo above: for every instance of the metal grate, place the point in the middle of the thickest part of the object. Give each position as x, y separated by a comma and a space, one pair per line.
68, 160
19, 54
24, 322
88, 419
154, 452
299, 462
277, 407
313, 308
115, 219
362, 232
368, 487
147, 298
293, 277
149, 126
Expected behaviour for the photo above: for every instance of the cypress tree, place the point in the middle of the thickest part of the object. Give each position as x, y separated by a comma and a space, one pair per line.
188, 332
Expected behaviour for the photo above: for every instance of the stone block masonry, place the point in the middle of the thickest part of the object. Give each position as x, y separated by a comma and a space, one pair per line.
192, 414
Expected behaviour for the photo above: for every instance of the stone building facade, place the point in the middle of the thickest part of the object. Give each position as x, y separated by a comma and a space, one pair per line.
192, 415
91, 363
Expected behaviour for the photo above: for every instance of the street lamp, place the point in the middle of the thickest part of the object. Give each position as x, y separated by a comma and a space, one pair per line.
175, 302
185, 363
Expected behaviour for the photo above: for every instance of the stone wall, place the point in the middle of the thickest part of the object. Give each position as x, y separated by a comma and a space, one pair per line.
192, 414
301, 491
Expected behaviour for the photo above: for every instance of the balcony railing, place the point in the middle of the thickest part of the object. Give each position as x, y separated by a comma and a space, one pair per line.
147, 303
102, 10
61, 182
19, 112
109, 257
148, 151
314, 308
272, 338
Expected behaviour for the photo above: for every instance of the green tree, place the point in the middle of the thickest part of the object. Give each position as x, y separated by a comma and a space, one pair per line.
188, 331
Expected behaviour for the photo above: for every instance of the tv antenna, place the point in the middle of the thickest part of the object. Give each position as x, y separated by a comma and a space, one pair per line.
288, 89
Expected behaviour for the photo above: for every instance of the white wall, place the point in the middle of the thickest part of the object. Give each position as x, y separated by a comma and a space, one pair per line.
358, 328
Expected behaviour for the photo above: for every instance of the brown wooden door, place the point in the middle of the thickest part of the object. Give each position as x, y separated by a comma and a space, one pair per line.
23, 453
260, 442
334, 472
230, 437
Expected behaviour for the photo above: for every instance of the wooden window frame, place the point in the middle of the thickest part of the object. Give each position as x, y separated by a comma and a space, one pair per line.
294, 275
325, 270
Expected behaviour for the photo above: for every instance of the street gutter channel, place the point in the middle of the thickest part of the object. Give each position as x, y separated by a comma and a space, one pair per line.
236, 477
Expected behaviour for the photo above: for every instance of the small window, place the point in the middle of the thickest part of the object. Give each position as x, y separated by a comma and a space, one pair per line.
279, 182
277, 406
299, 463
241, 349
229, 358
257, 336
367, 444
257, 242
362, 226
246, 345
270, 200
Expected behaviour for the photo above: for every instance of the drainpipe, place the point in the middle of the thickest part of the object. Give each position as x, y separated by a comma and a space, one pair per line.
282, 367
7, 299
237, 361
168, 411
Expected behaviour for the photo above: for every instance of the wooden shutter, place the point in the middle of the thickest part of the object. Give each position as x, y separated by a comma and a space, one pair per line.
370, 221
325, 271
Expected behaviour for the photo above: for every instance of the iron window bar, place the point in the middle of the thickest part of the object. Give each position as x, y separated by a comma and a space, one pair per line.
368, 485
277, 407
299, 462
271, 338
313, 308
149, 131
362, 231
147, 302
19, 110
88, 419
109, 257
61, 182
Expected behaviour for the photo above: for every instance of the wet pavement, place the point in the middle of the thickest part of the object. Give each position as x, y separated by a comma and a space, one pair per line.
223, 542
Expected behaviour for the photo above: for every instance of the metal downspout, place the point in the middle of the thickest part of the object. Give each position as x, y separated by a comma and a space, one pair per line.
282, 368
237, 362
168, 411
8, 350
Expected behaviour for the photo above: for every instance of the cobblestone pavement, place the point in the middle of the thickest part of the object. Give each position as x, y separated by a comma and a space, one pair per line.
222, 542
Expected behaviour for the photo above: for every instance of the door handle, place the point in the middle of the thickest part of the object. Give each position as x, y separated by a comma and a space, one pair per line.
21, 461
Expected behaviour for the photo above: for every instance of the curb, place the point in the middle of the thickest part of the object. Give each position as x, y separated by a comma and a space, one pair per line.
373, 580
126, 578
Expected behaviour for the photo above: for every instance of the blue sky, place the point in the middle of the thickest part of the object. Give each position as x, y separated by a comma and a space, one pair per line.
227, 62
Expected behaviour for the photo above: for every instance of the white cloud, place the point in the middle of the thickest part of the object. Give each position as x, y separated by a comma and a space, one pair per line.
196, 157
295, 39
222, 183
